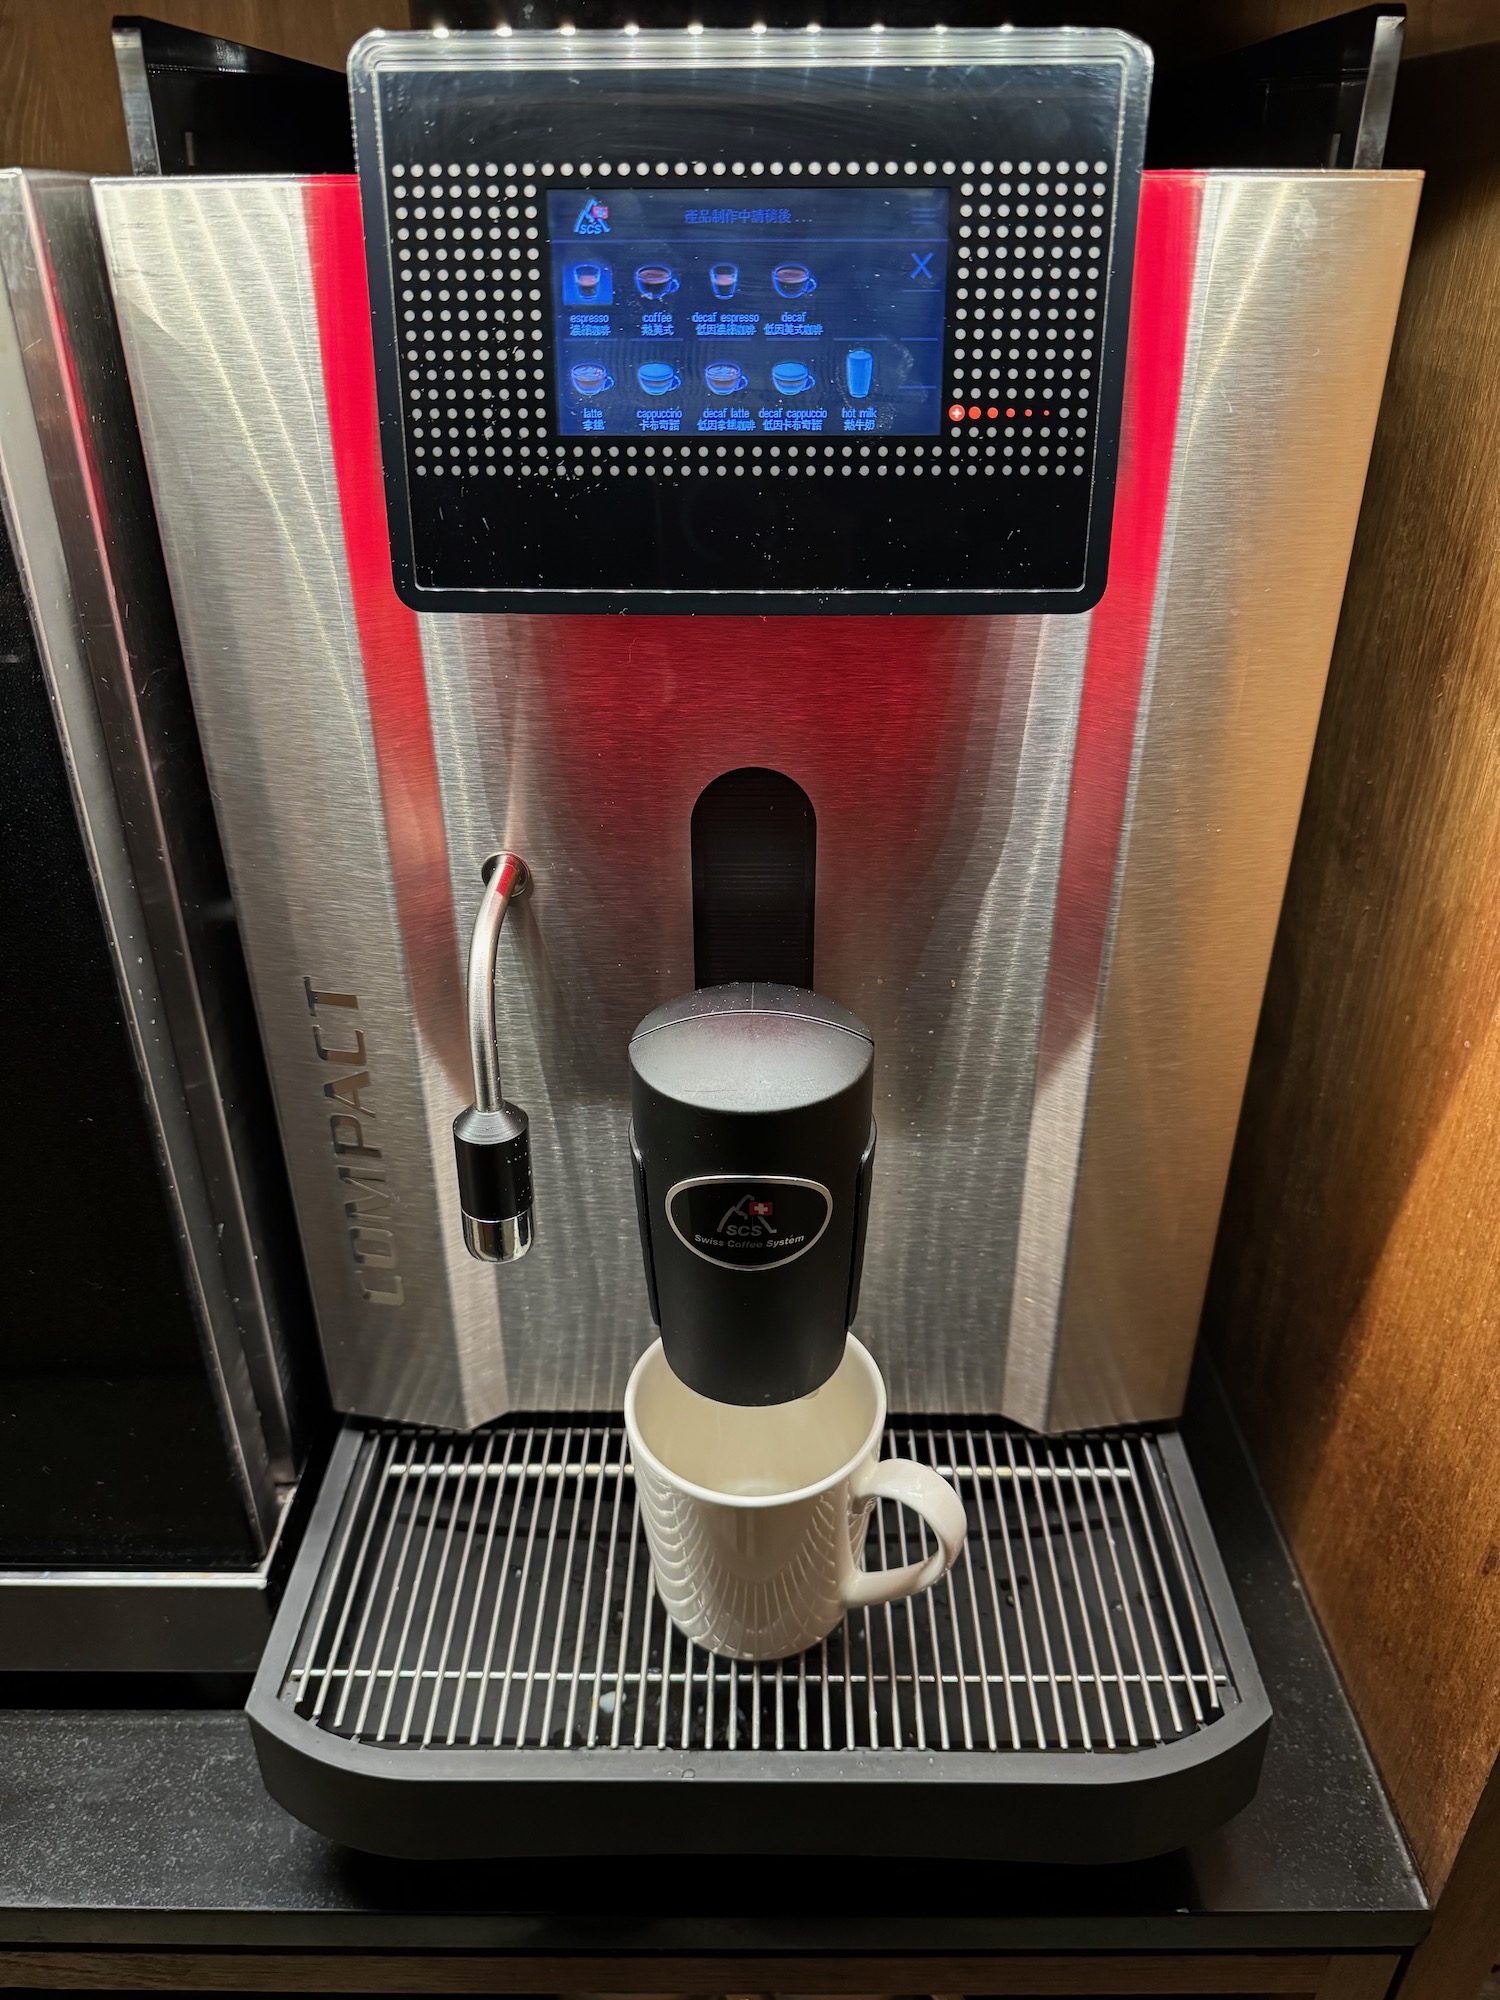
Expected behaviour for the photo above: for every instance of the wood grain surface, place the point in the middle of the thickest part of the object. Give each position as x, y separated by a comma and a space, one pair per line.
1457, 1958
59, 97
1345, 1976
1355, 1302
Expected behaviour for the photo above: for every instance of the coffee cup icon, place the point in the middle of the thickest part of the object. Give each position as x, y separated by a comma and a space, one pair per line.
655, 281
725, 378
793, 281
590, 378
790, 378
725, 279
588, 278
658, 378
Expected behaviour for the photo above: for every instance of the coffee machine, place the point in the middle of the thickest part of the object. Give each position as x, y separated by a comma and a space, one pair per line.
812, 519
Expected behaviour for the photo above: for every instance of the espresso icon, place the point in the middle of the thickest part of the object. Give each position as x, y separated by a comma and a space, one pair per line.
791, 378
658, 378
725, 279
589, 378
793, 281
589, 278
725, 378
655, 281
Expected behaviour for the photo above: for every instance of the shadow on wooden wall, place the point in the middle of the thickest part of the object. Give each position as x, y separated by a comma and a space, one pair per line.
1355, 1301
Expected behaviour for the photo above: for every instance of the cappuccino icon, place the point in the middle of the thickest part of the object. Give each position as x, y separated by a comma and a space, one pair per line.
658, 378
590, 378
791, 378
793, 281
725, 378
655, 281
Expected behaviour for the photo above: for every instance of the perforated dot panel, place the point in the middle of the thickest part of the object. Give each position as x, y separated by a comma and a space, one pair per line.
504, 506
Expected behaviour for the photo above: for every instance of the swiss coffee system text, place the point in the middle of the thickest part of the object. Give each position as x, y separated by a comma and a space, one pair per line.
751, 322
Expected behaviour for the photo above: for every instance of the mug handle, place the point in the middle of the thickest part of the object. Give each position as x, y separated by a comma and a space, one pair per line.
928, 1495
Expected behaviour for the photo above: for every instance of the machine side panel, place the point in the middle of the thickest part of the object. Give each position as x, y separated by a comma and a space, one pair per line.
215, 290
1299, 281
1120, 647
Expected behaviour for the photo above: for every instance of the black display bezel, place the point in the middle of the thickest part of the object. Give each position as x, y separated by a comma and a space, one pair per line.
872, 539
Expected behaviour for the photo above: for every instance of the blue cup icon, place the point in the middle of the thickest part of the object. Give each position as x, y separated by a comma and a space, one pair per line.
658, 378
791, 378
859, 370
590, 378
793, 281
725, 378
655, 281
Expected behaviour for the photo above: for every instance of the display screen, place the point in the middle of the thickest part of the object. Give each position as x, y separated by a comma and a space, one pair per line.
733, 312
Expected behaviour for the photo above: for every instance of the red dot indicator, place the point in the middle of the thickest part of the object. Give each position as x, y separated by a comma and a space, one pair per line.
1010, 413
974, 411
956, 411
992, 413
1028, 413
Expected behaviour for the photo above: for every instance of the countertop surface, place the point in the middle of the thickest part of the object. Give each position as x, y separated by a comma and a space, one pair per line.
150, 1826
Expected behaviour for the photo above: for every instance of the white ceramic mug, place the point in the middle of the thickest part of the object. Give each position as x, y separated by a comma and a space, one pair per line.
756, 1517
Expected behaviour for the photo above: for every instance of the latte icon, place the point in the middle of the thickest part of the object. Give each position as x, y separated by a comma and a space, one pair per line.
725, 378
590, 378
791, 378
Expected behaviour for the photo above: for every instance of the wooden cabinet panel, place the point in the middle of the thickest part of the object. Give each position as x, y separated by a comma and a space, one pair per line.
1355, 1303
60, 102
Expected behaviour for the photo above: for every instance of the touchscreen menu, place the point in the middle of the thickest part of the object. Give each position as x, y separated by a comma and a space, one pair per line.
716, 312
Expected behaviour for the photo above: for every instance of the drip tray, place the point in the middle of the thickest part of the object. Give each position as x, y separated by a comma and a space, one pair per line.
471, 1660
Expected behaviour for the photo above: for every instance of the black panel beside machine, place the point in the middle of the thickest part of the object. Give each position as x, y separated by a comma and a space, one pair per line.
158, 1392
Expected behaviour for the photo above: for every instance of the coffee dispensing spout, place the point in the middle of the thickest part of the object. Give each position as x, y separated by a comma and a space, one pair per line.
491, 1138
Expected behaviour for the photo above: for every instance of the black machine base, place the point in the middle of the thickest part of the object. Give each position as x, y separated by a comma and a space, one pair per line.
471, 1662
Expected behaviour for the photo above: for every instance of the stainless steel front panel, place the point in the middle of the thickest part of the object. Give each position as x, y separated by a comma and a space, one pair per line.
216, 306
1054, 1125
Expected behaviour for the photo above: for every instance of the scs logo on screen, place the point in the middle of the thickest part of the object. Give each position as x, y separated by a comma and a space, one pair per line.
593, 219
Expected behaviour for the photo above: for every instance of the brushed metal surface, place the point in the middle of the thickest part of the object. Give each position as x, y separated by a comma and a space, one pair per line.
213, 289
80, 521
938, 756
1298, 281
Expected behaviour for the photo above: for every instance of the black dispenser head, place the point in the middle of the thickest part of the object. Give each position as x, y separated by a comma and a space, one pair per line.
753, 1148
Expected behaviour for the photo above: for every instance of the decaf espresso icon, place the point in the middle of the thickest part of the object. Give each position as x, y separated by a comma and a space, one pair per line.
749, 1223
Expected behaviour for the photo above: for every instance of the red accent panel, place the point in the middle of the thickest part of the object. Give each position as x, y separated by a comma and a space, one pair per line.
390, 647
1120, 636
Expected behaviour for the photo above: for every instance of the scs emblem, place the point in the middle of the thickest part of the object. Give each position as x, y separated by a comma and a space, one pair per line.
749, 1222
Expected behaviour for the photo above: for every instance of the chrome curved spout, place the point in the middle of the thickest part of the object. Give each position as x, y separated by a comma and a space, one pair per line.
491, 1139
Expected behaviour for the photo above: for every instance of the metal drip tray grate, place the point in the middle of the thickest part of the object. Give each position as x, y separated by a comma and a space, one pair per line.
471, 1660
495, 1591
